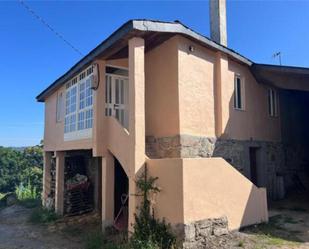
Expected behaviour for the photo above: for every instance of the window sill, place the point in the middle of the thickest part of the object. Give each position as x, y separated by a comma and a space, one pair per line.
239, 109
78, 135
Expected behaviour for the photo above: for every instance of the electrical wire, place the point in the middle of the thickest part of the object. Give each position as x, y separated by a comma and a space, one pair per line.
39, 18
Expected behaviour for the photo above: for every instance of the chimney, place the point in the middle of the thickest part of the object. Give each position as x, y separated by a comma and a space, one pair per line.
217, 10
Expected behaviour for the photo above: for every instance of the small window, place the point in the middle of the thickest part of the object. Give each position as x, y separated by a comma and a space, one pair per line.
238, 93
272, 102
59, 108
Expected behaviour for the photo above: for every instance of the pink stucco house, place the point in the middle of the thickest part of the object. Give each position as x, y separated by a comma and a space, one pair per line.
221, 132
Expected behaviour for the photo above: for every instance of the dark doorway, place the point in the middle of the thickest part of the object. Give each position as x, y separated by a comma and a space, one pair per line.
121, 197
253, 153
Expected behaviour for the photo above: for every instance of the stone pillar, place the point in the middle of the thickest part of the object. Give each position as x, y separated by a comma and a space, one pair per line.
59, 203
107, 190
136, 117
46, 176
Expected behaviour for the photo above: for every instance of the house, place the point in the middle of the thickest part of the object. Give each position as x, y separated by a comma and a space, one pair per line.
221, 132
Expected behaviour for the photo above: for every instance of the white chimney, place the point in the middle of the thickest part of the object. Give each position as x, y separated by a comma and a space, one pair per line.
217, 10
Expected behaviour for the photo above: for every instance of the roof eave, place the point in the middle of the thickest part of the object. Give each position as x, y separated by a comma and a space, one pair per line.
141, 26
118, 34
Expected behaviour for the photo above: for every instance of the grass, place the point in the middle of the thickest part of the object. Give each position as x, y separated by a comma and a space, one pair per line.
273, 233
241, 243
42, 216
97, 240
29, 203
1, 195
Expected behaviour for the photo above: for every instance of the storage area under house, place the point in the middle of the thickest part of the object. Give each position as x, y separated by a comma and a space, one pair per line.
81, 183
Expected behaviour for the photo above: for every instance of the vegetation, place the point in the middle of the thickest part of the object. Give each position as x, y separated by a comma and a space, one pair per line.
273, 233
28, 195
150, 232
42, 215
21, 171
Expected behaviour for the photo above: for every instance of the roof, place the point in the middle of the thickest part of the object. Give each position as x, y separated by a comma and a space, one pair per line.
154, 33
284, 77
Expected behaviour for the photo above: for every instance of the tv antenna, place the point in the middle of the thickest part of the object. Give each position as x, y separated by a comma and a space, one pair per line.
277, 54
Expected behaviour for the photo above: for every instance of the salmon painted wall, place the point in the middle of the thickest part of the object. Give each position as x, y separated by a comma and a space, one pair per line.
170, 182
202, 188
197, 78
254, 121
53, 131
196, 89
179, 99
221, 190
161, 94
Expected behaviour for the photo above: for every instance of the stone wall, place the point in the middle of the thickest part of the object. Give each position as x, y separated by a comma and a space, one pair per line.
199, 234
271, 157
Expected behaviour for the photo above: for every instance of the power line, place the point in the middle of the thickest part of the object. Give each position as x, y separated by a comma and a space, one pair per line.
33, 13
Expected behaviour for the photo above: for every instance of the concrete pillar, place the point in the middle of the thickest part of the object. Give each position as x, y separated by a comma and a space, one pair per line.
96, 178
98, 130
217, 15
107, 190
136, 117
46, 176
59, 203
221, 69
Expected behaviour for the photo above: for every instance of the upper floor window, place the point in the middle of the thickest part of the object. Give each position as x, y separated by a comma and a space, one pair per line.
79, 102
59, 108
272, 102
238, 93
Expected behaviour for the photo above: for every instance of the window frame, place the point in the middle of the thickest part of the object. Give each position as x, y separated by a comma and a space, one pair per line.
236, 93
273, 102
83, 106
60, 107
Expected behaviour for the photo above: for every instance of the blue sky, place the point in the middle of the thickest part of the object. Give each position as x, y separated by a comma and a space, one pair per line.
31, 56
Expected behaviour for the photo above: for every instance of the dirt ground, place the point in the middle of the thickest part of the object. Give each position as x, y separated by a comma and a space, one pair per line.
288, 228
16, 232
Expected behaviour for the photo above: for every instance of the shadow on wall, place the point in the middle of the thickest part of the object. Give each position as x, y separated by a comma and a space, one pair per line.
251, 138
206, 188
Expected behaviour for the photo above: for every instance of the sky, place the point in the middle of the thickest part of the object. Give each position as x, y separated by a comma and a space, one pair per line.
32, 57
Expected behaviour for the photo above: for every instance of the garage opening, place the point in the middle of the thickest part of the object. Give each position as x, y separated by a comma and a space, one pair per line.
294, 116
121, 197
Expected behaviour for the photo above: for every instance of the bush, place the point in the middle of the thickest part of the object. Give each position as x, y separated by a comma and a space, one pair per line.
41, 215
26, 192
148, 231
27, 196
94, 240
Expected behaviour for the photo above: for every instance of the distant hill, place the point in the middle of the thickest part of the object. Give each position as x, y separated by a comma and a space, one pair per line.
18, 148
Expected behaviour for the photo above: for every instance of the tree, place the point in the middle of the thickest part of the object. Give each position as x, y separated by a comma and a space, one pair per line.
17, 167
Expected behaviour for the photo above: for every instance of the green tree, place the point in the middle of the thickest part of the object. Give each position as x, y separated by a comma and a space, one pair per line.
18, 167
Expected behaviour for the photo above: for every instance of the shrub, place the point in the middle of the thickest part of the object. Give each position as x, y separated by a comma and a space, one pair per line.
150, 232
95, 240
26, 192
27, 196
41, 215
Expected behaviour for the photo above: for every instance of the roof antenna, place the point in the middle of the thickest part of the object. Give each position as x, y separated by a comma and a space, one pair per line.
277, 54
